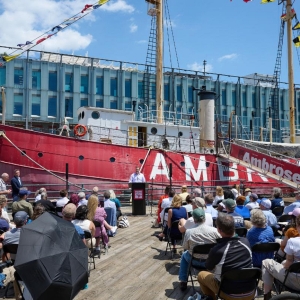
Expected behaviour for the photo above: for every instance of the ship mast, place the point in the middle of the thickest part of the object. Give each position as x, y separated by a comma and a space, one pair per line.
159, 58
290, 70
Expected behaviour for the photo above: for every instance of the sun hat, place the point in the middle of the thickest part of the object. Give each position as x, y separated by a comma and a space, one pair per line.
295, 212
199, 202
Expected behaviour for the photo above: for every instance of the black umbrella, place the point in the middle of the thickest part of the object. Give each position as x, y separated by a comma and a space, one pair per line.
52, 260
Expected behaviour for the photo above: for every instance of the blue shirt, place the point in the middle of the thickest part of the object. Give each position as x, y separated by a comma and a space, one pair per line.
271, 218
79, 231
238, 219
210, 209
4, 225
260, 235
247, 200
243, 211
277, 202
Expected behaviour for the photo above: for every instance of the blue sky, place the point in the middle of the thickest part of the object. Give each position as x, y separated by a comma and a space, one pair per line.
234, 37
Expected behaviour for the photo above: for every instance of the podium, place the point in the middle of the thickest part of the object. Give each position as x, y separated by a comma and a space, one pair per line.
138, 196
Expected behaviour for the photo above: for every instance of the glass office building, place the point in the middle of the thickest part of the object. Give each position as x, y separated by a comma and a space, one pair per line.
42, 92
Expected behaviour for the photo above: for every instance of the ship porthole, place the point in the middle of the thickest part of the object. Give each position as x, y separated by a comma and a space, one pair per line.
23, 153
207, 164
82, 115
141, 161
182, 163
40, 154
180, 134
112, 159
95, 115
154, 130
81, 157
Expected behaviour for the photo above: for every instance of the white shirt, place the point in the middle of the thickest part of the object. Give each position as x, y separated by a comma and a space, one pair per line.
62, 202
235, 193
164, 204
82, 201
137, 178
252, 205
189, 224
38, 198
109, 203
218, 198
293, 248
2, 185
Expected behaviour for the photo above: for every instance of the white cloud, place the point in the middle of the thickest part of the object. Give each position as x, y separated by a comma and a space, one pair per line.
199, 67
133, 28
119, 5
228, 57
27, 20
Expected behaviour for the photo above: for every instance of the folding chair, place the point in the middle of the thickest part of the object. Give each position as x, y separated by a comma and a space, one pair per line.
165, 222
246, 280
88, 236
278, 211
284, 219
266, 248
198, 249
280, 286
241, 231
177, 236
59, 211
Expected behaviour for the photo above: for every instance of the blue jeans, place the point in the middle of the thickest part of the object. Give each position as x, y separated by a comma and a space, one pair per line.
184, 265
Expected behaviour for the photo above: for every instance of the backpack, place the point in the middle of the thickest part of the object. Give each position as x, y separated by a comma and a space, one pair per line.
124, 223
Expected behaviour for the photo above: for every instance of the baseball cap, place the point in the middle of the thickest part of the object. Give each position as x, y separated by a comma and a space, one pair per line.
254, 196
266, 203
199, 202
20, 218
198, 214
247, 190
69, 210
295, 212
24, 192
229, 203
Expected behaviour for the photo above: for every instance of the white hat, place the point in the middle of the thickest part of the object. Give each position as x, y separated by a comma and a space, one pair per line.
266, 203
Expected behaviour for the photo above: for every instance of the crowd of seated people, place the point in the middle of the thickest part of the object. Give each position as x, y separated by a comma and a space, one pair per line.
229, 212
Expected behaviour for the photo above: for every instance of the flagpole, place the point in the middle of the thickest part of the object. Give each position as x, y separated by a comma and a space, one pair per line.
290, 70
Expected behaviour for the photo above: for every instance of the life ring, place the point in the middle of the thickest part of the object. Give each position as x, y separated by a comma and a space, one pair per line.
80, 130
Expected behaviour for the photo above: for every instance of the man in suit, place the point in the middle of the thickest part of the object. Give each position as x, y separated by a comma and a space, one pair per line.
16, 183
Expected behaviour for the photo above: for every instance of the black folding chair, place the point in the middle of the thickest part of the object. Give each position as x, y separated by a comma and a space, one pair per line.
246, 279
59, 210
88, 236
165, 222
266, 248
198, 249
241, 231
171, 236
281, 286
278, 211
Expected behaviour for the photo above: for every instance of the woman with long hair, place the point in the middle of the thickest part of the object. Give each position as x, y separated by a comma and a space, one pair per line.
219, 195
117, 202
38, 210
82, 221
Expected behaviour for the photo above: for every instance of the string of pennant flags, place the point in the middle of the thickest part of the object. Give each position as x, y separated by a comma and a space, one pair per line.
23, 47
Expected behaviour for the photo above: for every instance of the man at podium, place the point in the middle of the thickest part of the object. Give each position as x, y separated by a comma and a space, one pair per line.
137, 176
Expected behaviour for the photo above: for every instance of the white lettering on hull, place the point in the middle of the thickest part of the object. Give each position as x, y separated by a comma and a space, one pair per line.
232, 169
159, 167
191, 173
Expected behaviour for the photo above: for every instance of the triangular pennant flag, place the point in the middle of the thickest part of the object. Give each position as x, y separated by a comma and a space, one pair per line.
266, 1
297, 41
101, 2
247, 1
60, 27
9, 58
296, 26
87, 7
72, 19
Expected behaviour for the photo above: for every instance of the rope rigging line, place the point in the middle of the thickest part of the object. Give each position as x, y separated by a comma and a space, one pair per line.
39, 165
168, 23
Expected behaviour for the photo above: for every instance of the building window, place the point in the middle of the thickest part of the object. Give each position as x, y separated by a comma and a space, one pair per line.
99, 103
52, 106
178, 114
179, 93
190, 94
113, 104
152, 90
253, 100
2, 76
128, 106
233, 98
224, 97
245, 118
69, 107
140, 89
281, 102
52, 83
264, 118
166, 91
128, 88
69, 82
18, 104
113, 87
36, 105
84, 84
99, 85
263, 101
18, 77
36, 79
244, 99
84, 102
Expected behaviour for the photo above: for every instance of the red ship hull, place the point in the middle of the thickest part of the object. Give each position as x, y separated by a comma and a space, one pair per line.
92, 162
